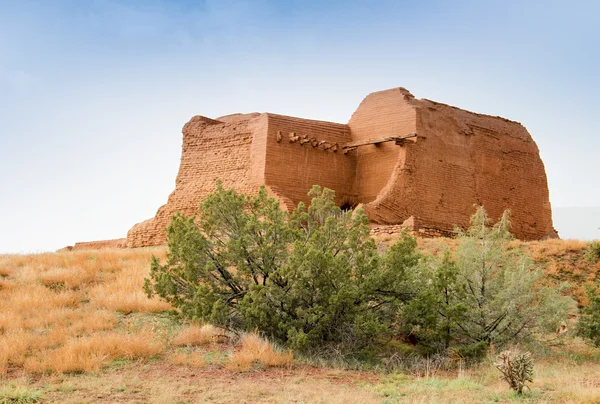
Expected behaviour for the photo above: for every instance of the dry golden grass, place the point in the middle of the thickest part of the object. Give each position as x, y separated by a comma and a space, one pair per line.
56, 308
561, 261
123, 292
6, 284
194, 335
64, 313
556, 247
257, 351
192, 359
4, 272
565, 261
66, 277
90, 353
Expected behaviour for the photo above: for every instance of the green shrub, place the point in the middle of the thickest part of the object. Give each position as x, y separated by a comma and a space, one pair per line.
482, 294
588, 325
314, 280
311, 279
593, 251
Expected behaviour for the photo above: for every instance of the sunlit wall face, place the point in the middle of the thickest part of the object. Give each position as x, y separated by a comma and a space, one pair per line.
93, 95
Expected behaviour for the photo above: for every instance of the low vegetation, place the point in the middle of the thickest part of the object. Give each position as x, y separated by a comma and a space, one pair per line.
425, 321
309, 280
256, 352
315, 281
516, 369
79, 312
53, 319
589, 322
593, 252
13, 393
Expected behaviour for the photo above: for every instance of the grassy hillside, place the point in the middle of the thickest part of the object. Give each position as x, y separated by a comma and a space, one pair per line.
77, 327
561, 260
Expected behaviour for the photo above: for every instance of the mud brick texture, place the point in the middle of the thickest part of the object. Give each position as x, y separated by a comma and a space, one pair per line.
428, 183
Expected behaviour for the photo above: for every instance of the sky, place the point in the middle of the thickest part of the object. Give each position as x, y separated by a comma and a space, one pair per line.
94, 93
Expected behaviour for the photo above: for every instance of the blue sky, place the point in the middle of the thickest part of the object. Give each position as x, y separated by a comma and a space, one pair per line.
93, 93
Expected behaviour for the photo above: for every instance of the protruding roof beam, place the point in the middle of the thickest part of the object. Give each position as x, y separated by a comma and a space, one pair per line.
399, 140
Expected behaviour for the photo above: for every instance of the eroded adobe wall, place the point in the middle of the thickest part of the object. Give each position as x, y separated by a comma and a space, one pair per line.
459, 159
98, 245
429, 184
382, 114
301, 153
246, 151
212, 150
463, 158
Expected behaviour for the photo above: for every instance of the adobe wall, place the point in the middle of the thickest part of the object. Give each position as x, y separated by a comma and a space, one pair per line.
463, 158
246, 151
299, 154
97, 245
212, 150
428, 184
380, 114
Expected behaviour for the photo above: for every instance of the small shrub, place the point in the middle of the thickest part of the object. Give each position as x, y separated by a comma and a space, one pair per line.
588, 326
516, 369
593, 251
481, 294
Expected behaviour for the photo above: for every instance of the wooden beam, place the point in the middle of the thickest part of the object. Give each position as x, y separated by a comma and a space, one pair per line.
398, 139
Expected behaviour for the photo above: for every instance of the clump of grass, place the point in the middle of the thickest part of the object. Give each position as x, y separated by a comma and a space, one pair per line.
91, 353
256, 351
14, 392
66, 277
13, 348
124, 293
37, 297
92, 321
6, 284
194, 335
192, 359
4, 272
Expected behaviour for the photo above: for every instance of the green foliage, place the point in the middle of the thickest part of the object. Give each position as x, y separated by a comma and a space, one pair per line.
482, 294
16, 393
588, 325
236, 242
593, 251
314, 280
308, 279
516, 369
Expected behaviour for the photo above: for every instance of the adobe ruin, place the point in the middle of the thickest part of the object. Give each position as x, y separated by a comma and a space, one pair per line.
410, 162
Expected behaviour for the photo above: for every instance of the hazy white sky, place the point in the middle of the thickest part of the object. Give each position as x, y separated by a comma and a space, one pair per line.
93, 93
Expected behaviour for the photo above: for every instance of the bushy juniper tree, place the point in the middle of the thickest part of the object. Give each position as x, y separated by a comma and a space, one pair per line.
307, 279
